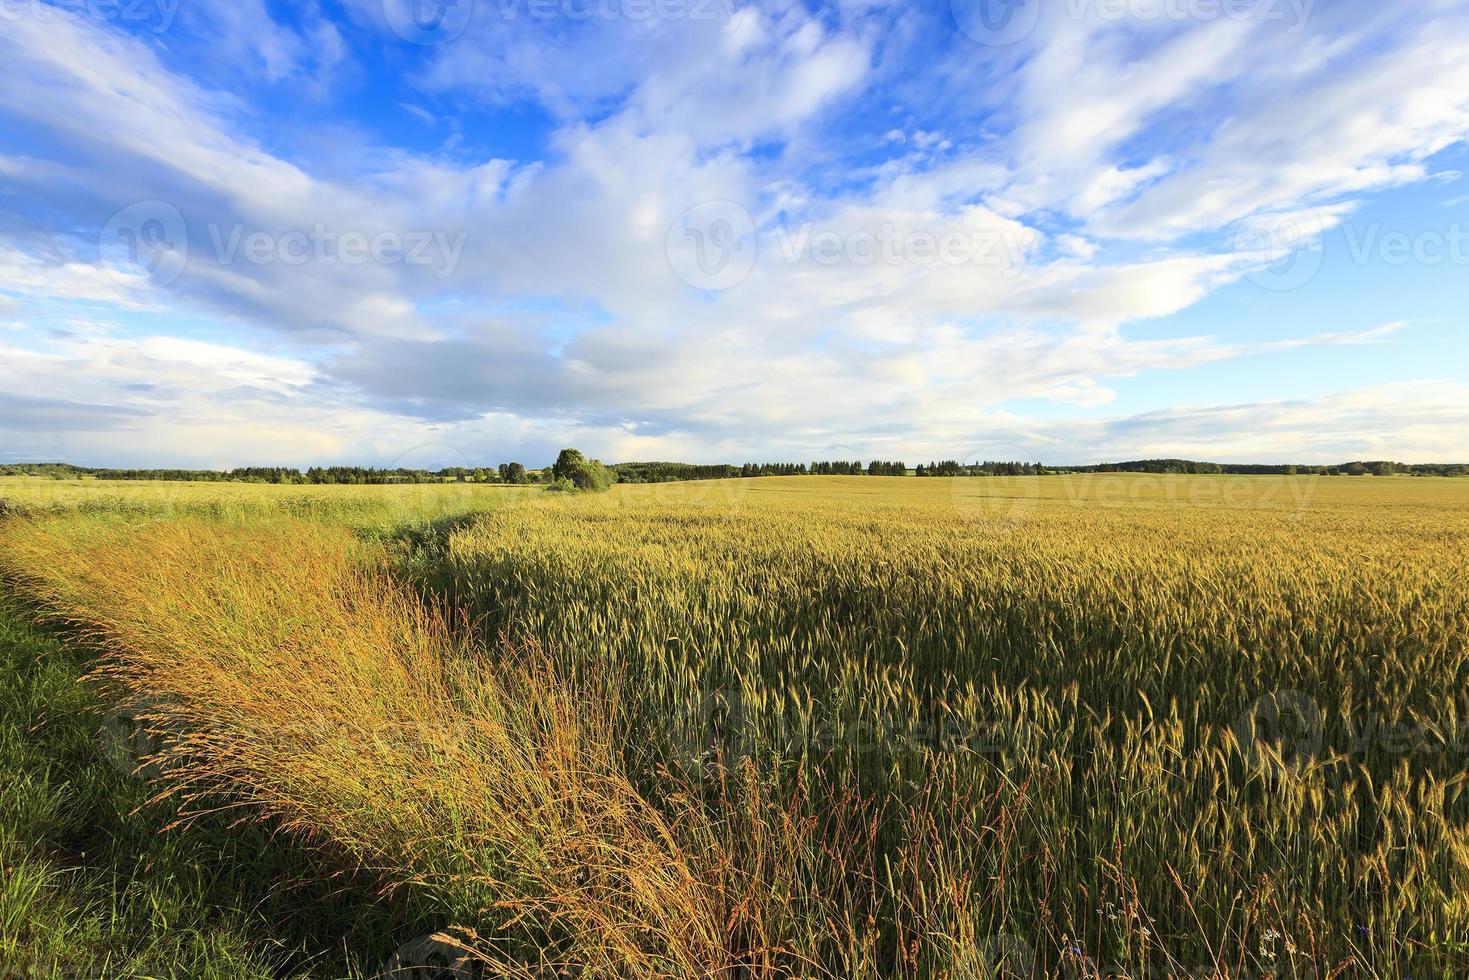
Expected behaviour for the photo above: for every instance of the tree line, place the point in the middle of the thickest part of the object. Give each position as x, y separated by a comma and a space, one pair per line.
668, 472
672, 472
351, 475
855, 468
664, 472
324, 475
952, 467
1358, 468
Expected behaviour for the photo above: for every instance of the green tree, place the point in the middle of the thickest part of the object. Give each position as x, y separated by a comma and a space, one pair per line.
568, 464
573, 471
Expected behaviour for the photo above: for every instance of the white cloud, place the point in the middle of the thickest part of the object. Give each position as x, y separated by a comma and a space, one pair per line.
41, 275
563, 313
1420, 421
1376, 113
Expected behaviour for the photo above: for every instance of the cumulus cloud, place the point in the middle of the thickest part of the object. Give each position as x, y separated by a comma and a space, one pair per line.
1419, 422
902, 287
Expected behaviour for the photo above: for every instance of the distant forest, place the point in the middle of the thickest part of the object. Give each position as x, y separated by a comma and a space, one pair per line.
517, 473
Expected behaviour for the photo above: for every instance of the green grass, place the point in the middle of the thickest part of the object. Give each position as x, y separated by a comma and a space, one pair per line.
286, 675
375, 510
94, 885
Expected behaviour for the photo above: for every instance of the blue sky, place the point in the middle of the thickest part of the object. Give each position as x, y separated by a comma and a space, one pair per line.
455, 233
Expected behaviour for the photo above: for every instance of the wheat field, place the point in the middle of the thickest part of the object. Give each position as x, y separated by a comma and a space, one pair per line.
1085, 725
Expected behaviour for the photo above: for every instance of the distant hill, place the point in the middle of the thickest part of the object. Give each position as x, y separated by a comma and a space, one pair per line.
1359, 468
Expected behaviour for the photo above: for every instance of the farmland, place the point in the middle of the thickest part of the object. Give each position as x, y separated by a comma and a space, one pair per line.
794, 726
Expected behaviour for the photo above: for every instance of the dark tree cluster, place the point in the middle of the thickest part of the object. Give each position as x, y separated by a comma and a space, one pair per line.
989, 467
573, 471
672, 472
270, 474
773, 469
366, 475
1368, 468
949, 467
838, 468
56, 471
204, 475
1009, 468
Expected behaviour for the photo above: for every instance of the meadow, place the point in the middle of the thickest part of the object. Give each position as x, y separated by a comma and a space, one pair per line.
1085, 725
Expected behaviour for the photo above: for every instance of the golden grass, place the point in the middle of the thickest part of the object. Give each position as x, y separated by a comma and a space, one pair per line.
1095, 657
372, 508
286, 674
848, 727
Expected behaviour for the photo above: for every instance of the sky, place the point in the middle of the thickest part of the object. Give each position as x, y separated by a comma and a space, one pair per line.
461, 232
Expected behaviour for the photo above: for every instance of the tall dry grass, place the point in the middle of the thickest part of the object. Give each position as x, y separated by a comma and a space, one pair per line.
1167, 725
285, 675
866, 728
